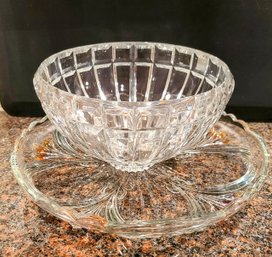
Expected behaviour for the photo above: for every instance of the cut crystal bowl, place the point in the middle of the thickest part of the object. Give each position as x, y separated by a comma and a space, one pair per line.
133, 104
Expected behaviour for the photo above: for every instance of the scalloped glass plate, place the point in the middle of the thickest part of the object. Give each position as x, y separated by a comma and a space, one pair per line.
181, 195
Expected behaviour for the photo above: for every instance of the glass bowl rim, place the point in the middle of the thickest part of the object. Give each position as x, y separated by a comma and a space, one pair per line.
229, 79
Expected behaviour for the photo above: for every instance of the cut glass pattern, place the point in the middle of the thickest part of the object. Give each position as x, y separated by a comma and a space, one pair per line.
133, 104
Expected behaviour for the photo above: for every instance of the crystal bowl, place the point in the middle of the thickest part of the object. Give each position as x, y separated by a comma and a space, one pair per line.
133, 104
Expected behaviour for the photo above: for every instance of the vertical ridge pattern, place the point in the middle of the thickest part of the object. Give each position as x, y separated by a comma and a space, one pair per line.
134, 136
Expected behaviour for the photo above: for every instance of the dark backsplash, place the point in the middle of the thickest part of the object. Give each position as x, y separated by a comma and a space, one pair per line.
238, 32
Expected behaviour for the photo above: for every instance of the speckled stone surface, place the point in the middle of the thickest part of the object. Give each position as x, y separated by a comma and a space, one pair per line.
26, 230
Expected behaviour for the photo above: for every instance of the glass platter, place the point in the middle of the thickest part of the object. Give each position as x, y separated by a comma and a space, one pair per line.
188, 193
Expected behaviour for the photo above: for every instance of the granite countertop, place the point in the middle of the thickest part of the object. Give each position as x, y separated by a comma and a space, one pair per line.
26, 230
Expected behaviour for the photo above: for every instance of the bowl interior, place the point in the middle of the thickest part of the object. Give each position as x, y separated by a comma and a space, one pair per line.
133, 72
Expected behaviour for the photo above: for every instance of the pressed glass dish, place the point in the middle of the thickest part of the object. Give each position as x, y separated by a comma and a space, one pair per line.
137, 142
181, 195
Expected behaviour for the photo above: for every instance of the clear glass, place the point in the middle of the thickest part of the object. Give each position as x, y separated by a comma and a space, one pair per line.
134, 145
133, 104
202, 186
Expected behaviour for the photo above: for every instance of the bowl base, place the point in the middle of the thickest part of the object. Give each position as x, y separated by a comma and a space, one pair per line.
181, 195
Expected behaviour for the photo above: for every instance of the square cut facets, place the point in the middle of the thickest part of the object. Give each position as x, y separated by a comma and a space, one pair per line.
88, 113
200, 64
149, 118
53, 70
163, 56
122, 54
84, 59
130, 119
103, 56
148, 73
212, 71
144, 55
118, 118
67, 63
182, 59
133, 104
